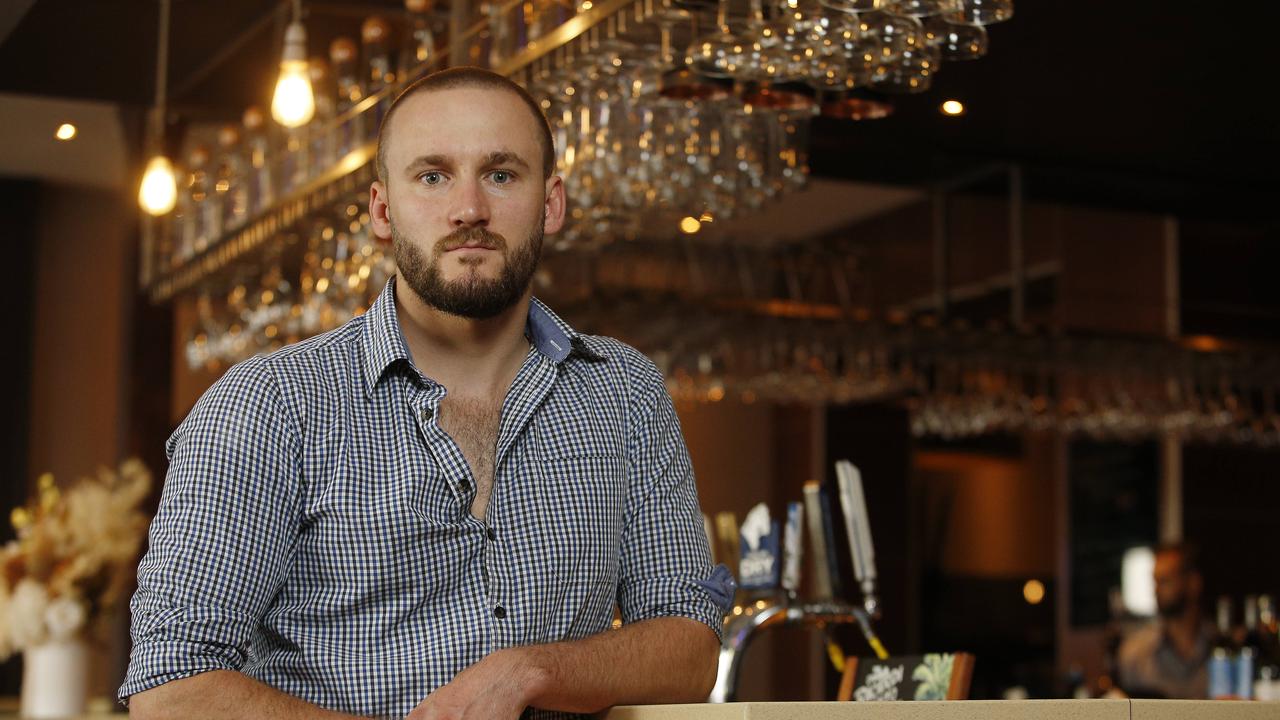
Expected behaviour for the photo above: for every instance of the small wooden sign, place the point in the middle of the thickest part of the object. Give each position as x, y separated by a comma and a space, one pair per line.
933, 676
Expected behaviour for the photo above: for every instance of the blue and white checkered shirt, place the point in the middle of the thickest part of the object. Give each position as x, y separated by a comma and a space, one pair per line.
315, 530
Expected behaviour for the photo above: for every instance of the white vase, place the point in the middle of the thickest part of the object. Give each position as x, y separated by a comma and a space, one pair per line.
55, 678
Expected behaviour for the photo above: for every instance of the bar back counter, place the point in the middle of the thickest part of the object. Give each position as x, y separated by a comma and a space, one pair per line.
959, 710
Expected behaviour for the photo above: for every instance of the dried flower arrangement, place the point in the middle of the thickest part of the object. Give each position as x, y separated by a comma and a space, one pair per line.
73, 557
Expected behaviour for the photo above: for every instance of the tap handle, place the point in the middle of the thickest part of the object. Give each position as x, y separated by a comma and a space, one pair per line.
858, 526
727, 533
825, 578
792, 549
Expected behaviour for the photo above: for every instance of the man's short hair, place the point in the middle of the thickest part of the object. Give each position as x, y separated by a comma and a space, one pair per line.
473, 77
1188, 555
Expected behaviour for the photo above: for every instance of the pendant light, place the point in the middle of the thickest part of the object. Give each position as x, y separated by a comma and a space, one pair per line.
294, 103
158, 192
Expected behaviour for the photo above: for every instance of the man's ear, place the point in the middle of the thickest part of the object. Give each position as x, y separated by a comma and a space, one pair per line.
379, 211
554, 206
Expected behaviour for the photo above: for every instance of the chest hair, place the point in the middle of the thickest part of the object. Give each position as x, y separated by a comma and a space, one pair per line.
473, 425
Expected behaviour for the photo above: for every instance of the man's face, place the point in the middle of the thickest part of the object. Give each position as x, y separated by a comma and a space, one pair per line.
1174, 585
466, 201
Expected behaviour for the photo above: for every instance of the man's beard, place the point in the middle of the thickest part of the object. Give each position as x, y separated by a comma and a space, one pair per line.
469, 296
1174, 607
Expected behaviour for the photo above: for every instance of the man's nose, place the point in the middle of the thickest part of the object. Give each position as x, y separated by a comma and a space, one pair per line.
471, 206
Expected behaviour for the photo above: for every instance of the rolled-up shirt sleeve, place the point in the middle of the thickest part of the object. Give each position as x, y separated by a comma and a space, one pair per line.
666, 566
219, 546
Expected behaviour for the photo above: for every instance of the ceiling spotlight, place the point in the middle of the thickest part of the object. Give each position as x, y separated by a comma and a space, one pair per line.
65, 131
953, 108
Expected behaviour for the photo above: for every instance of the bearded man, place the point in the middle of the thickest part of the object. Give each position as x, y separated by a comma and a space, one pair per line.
434, 509
1169, 658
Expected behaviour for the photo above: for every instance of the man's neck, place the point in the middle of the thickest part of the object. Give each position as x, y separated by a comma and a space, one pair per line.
1184, 631
467, 356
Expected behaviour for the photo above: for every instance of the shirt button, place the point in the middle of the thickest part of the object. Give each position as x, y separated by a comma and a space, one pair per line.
493, 534
425, 413
499, 612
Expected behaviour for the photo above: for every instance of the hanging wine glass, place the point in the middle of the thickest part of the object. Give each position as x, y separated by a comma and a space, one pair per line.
984, 12
955, 41
720, 53
921, 8
907, 63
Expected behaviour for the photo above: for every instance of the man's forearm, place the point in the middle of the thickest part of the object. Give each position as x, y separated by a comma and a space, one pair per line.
663, 660
223, 694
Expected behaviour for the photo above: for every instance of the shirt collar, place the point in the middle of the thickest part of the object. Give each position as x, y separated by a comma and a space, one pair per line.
384, 343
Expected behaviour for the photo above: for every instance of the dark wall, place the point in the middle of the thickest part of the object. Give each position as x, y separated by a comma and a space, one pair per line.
1114, 505
1231, 509
1228, 282
20, 205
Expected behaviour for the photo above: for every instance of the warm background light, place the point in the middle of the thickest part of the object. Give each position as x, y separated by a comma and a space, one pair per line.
1033, 592
159, 190
953, 107
690, 225
294, 102
66, 131
1137, 581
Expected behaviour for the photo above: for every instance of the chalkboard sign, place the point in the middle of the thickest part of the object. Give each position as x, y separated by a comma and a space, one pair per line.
934, 676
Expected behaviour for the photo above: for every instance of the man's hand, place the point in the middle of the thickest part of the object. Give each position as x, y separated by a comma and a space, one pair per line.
498, 687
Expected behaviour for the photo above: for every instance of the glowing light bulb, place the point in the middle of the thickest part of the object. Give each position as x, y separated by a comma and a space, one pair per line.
159, 190
294, 104
690, 225
1033, 592
66, 131
953, 107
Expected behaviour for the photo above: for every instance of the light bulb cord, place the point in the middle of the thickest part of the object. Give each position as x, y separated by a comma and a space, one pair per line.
162, 56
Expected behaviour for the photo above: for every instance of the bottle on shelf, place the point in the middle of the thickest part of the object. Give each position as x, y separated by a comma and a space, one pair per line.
344, 62
1267, 683
1222, 684
478, 49
501, 45
545, 16
262, 188
294, 160
187, 218
200, 227
231, 185
379, 74
320, 130
1249, 652
419, 54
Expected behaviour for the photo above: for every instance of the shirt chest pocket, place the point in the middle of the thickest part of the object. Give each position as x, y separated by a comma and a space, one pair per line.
583, 500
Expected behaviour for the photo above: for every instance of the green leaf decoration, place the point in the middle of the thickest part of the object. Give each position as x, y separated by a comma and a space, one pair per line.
934, 675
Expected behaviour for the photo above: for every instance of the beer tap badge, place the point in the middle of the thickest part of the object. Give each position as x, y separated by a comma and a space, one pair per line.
758, 569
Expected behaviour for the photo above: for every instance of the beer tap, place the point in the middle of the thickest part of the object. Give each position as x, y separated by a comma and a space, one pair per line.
769, 607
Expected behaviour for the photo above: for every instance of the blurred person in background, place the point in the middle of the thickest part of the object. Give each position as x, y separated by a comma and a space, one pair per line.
1169, 658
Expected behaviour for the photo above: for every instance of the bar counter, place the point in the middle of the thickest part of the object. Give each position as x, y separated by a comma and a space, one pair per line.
950, 710
959, 710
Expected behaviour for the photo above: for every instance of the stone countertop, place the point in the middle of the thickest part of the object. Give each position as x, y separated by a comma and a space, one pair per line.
953, 710
960, 710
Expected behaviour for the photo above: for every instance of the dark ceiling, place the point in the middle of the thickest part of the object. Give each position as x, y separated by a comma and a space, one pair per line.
1134, 104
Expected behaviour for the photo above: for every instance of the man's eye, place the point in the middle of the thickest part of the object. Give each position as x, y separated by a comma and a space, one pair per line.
432, 178
502, 177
